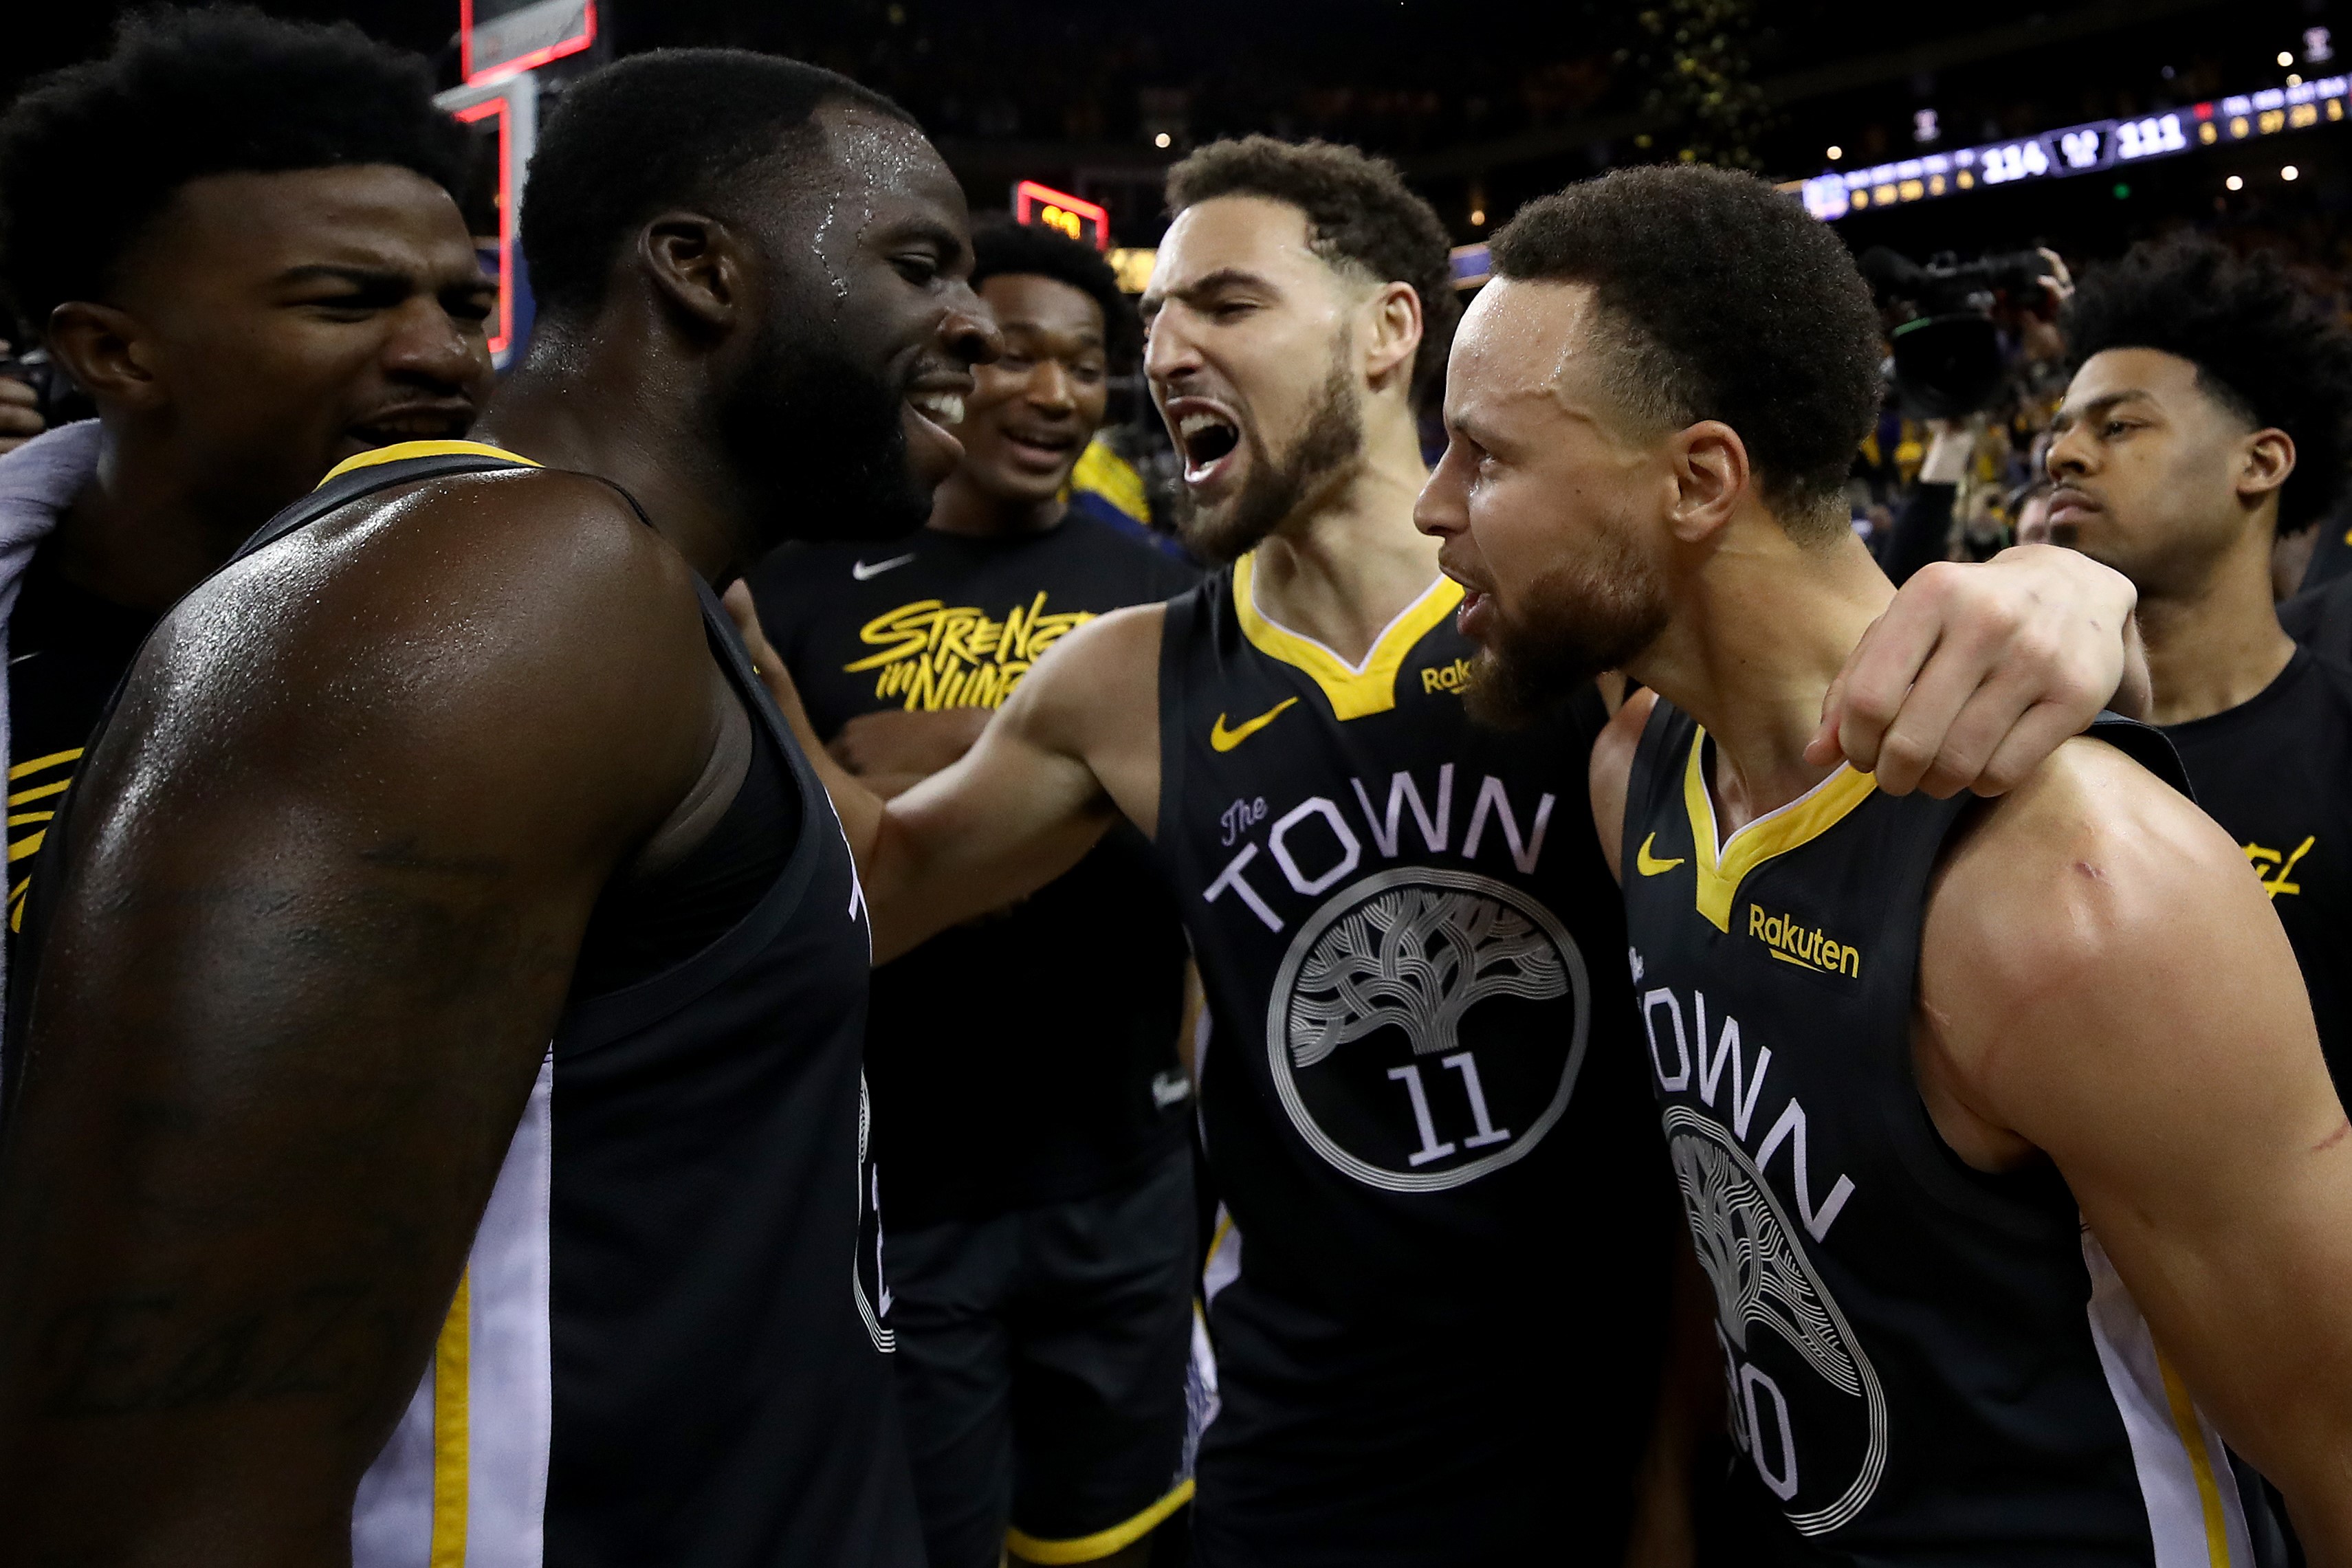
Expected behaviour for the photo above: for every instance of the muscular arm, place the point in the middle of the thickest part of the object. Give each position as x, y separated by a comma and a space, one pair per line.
329, 873
1076, 745
2103, 981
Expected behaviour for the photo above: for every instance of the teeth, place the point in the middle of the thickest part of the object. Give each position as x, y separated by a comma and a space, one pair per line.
942, 408
1194, 424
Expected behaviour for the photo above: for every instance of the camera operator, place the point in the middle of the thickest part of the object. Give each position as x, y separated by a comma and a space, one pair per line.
237, 236
1967, 338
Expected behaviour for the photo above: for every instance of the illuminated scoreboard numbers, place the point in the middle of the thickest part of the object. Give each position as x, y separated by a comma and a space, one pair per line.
2080, 149
1042, 206
2150, 138
2013, 160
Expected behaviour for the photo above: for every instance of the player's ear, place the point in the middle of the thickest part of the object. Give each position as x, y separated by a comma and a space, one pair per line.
2269, 458
107, 354
1709, 468
697, 265
1393, 332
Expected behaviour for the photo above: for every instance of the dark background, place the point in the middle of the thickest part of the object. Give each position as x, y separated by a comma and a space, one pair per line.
1486, 105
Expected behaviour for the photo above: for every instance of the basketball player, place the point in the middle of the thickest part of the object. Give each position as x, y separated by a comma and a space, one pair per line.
1954, 1093
1420, 1096
1029, 1108
442, 882
239, 237
2207, 418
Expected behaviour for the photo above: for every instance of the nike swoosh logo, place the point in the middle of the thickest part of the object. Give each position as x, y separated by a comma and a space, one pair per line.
1650, 864
1226, 739
861, 571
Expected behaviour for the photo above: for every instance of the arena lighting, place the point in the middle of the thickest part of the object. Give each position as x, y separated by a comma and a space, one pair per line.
513, 102
2289, 172
2285, 59
2101, 144
1836, 154
499, 38
2235, 182
1042, 206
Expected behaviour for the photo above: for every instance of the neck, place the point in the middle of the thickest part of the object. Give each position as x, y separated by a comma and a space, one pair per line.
621, 401
1761, 627
143, 531
1348, 560
2217, 643
960, 507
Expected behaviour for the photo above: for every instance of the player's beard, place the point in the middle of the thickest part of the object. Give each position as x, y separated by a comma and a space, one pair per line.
1328, 450
1573, 622
820, 438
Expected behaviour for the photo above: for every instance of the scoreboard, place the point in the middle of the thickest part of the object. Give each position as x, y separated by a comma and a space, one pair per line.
1042, 206
2088, 149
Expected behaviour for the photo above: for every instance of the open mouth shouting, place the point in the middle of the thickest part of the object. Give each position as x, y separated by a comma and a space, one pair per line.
438, 418
1208, 435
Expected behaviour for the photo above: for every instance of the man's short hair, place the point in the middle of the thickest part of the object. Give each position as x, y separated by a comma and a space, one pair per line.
1009, 249
1724, 301
2268, 352
1360, 218
91, 154
667, 129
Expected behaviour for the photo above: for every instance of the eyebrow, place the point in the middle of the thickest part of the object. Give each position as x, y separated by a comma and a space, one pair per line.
950, 244
1208, 283
2065, 418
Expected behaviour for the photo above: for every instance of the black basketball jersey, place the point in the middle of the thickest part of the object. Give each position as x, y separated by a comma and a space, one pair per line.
1924, 1363
1420, 1097
1027, 1057
2276, 772
668, 1344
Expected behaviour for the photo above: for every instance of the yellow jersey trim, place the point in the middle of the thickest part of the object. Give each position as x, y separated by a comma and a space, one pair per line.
35, 766
402, 451
2192, 1438
1354, 690
451, 1429
1792, 826
1102, 1542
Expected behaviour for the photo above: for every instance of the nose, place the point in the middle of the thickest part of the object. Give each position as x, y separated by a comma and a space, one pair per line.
967, 331
1442, 509
2070, 455
1050, 389
1169, 354
428, 345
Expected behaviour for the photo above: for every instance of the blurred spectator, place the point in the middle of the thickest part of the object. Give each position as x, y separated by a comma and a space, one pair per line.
238, 237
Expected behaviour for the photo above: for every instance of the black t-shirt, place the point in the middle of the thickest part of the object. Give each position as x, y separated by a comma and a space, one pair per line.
2276, 772
1027, 1057
67, 650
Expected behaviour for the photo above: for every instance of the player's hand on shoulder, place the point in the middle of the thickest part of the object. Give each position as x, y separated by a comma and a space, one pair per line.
1976, 673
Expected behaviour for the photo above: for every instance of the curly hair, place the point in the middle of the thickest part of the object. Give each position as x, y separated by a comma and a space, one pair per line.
2272, 354
658, 130
1725, 302
1002, 249
1361, 214
91, 154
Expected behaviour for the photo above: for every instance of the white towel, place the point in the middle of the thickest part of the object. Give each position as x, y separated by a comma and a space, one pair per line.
37, 482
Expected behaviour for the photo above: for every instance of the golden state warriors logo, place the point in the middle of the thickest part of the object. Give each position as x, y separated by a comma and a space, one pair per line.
1415, 1034
1805, 1403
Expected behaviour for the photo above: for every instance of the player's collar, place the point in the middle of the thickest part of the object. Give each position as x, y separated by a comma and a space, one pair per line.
1353, 690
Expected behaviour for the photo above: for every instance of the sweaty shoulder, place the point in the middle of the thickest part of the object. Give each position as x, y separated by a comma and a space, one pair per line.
528, 616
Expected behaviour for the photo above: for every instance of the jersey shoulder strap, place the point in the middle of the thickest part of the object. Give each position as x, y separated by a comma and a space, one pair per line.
403, 463
2145, 745
1657, 763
